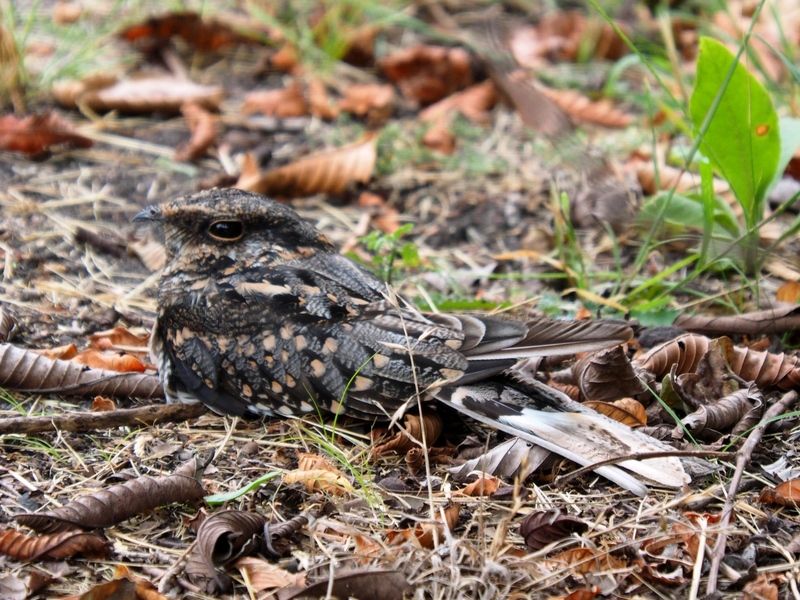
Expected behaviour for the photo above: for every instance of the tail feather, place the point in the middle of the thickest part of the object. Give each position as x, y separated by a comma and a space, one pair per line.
584, 438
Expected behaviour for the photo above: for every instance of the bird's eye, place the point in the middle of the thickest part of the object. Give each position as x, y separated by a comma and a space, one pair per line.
226, 231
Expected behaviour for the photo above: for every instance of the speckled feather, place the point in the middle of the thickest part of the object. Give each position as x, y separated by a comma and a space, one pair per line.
273, 321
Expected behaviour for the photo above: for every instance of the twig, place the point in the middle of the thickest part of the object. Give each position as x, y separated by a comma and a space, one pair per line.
643, 456
91, 421
745, 454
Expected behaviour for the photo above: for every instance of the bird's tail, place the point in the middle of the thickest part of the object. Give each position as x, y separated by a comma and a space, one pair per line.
581, 435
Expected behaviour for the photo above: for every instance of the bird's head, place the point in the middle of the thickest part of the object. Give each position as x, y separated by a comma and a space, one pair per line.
232, 223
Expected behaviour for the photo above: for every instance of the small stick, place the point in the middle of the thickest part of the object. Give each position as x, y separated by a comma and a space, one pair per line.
745, 454
643, 456
91, 421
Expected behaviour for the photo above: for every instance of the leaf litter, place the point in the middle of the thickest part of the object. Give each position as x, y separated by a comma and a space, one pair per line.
446, 529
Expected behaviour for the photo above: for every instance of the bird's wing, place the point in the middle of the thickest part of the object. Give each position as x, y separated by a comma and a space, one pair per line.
585, 437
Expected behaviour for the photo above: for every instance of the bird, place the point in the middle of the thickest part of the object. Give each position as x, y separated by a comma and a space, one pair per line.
259, 315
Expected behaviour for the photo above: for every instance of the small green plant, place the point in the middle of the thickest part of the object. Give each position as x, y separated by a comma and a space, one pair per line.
740, 136
388, 249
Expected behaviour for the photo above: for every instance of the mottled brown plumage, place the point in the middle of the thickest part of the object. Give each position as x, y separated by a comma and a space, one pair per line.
258, 314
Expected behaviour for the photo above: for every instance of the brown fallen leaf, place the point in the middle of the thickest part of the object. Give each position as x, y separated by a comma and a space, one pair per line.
204, 127
206, 35
111, 361
625, 410
329, 172
283, 103
53, 546
725, 412
439, 137
685, 352
789, 292
607, 375
580, 108
262, 576
221, 539
140, 95
364, 584
35, 135
319, 101
371, 100
411, 435
426, 74
322, 480
667, 177
285, 59
66, 352
102, 404
542, 528
119, 338
784, 494
384, 217
22, 369
119, 502
426, 534
763, 587
484, 485
474, 103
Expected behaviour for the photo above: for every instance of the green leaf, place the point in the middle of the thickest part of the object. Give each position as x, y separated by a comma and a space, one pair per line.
217, 499
688, 212
742, 138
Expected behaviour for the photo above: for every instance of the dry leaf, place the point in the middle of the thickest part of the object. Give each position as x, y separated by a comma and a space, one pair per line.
101, 404
789, 292
204, 127
439, 137
53, 546
625, 410
330, 172
119, 338
321, 480
283, 103
222, 538
65, 352
371, 100
426, 534
785, 494
204, 35
607, 375
667, 177
426, 74
286, 59
146, 94
65, 13
411, 435
384, 217
26, 370
485, 485
111, 361
119, 502
580, 108
542, 528
364, 584
261, 575
474, 103
319, 101
35, 135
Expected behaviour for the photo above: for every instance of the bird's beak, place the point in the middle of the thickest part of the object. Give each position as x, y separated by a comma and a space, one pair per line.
151, 213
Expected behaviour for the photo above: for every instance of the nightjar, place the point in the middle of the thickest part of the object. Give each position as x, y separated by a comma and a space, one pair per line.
258, 314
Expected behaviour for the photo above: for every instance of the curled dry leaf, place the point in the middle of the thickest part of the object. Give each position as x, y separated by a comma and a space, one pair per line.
110, 360
625, 410
54, 546
35, 135
785, 494
204, 35
726, 412
607, 375
121, 339
28, 371
371, 100
65, 352
204, 127
122, 501
222, 538
764, 368
484, 485
145, 94
364, 584
426, 534
542, 528
8, 326
411, 435
263, 576
512, 458
426, 74
283, 103
580, 108
328, 172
